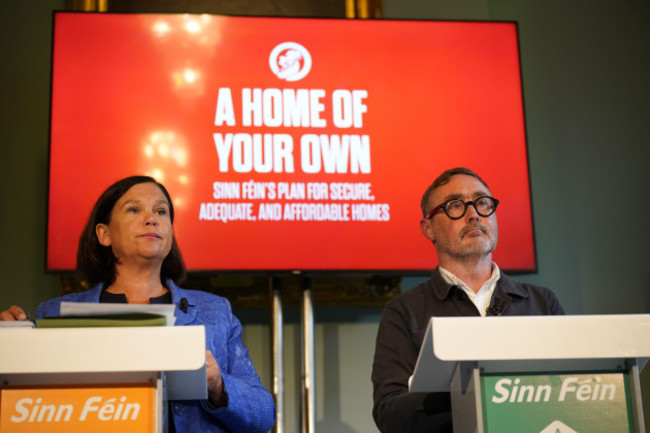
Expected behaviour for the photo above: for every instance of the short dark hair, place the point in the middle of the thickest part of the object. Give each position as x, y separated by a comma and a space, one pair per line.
443, 179
96, 263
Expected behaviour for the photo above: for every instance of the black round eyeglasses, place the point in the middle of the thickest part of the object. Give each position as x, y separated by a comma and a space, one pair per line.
456, 208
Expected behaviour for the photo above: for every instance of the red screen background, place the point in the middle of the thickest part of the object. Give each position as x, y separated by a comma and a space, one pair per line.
138, 94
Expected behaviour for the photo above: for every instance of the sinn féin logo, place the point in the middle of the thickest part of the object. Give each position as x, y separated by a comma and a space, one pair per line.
290, 61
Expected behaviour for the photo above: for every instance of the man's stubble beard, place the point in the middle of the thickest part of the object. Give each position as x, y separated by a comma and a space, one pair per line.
475, 250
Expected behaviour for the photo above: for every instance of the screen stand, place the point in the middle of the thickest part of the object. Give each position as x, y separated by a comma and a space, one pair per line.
275, 286
307, 332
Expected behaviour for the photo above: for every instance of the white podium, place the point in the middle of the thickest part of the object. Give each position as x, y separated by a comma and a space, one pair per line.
537, 373
97, 379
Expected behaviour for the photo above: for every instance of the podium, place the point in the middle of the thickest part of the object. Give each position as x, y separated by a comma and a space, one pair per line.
97, 379
540, 374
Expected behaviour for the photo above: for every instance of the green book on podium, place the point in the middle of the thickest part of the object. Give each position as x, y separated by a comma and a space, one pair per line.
102, 320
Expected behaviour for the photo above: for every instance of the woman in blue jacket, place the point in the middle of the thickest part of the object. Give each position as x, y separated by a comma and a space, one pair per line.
127, 253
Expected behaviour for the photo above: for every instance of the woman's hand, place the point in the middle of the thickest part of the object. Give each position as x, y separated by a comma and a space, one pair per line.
13, 313
215, 382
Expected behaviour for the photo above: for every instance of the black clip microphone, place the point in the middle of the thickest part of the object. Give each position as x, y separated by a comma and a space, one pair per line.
184, 305
498, 307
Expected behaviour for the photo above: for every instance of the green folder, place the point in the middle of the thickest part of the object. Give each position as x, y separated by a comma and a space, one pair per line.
108, 320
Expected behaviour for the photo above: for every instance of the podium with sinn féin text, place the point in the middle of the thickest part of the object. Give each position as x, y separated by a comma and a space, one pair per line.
97, 379
538, 374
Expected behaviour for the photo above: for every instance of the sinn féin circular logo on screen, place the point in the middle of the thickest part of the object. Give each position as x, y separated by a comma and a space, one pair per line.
290, 61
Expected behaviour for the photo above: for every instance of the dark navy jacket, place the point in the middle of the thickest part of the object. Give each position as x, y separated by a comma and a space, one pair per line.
400, 335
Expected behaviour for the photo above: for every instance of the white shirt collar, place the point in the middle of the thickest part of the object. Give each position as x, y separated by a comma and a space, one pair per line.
481, 298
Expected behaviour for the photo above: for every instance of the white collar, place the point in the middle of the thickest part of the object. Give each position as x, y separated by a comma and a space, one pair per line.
481, 298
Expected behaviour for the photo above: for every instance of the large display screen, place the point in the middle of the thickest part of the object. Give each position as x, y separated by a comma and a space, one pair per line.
287, 144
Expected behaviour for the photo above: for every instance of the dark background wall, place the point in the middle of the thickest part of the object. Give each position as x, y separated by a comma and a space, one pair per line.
585, 65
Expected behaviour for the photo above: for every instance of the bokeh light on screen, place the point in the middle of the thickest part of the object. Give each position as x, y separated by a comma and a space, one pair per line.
195, 29
165, 158
180, 36
161, 28
192, 25
188, 82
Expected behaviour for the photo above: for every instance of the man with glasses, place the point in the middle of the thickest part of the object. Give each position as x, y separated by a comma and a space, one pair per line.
459, 219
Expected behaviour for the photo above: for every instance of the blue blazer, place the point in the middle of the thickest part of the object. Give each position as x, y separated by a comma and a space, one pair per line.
250, 406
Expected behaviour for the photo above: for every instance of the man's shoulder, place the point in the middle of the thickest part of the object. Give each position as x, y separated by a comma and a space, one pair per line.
529, 298
521, 288
420, 299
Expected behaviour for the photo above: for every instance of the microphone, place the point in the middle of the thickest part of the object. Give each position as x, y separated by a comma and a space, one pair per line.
184, 305
498, 307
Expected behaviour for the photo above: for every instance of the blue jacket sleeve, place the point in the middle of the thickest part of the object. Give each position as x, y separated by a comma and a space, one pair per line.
250, 407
